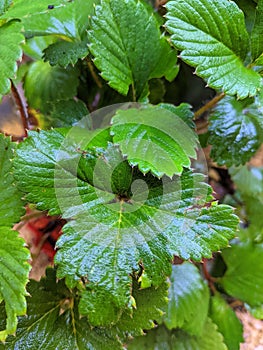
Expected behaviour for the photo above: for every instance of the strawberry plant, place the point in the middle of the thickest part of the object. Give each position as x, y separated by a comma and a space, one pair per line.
147, 258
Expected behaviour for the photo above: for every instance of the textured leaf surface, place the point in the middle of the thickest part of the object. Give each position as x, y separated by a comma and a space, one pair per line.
188, 300
64, 53
44, 84
155, 139
242, 280
11, 206
161, 338
67, 113
14, 268
112, 233
227, 322
257, 32
129, 53
213, 38
53, 322
236, 130
14, 271
4, 4
10, 52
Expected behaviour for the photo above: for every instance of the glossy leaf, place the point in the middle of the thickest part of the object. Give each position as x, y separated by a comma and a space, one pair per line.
10, 52
257, 32
161, 338
227, 322
213, 38
236, 130
53, 322
242, 280
154, 139
149, 223
44, 84
129, 53
11, 205
13, 256
188, 300
13, 279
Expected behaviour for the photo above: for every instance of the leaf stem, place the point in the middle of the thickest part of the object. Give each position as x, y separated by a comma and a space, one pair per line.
93, 74
22, 108
211, 280
208, 105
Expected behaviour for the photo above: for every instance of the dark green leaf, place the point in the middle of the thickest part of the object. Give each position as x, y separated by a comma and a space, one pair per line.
44, 84
67, 113
227, 322
34, 47
188, 300
64, 53
243, 277
161, 338
129, 53
155, 139
53, 322
213, 38
236, 130
10, 52
182, 111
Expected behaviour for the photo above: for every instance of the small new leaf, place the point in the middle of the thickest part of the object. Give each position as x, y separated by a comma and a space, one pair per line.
154, 139
213, 38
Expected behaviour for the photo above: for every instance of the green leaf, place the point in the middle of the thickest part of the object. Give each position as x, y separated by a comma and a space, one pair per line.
13, 279
44, 84
236, 130
67, 113
249, 9
34, 47
227, 322
13, 262
21, 9
53, 322
242, 280
11, 205
249, 181
63, 53
256, 311
147, 310
213, 38
161, 338
183, 111
188, 300
257, 32
155, 139
127, 53
10, 52
110, 233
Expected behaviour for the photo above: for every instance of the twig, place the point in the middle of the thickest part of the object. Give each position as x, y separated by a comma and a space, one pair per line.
93, 74
208, 105
211, 280
22, 108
